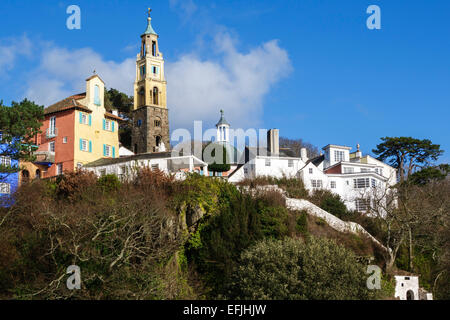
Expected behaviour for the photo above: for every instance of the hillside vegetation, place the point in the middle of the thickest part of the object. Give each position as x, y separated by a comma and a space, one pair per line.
157, 238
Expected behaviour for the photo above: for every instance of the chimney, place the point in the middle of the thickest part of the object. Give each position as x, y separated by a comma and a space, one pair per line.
273, 142
358, 152
303, 155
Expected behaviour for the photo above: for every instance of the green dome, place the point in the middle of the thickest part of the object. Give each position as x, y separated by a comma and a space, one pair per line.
149, 27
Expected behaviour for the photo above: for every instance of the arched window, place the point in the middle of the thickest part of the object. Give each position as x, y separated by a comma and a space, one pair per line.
38, 174
158, 141
141, 96
25, 176
97, 95
154, 48
155, 95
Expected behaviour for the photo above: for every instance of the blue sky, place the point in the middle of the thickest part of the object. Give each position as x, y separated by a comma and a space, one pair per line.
310, 68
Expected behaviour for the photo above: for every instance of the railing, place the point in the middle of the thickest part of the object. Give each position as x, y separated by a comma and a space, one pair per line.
51, 133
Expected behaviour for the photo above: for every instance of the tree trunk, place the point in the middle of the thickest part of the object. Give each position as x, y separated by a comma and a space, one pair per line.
410, 250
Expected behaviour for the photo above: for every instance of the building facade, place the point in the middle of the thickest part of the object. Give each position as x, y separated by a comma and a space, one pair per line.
150, 131
76, 131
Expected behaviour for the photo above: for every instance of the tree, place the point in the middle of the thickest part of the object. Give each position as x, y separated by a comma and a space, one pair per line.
116, 100
214, 165
406, 153
429, 174
295, 145
290, 269
19, 125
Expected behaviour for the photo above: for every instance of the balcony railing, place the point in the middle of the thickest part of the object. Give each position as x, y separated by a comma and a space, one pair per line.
51, 133
44, 157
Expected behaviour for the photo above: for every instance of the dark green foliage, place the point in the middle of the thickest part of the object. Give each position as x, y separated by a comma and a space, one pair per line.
302, 223
407, 153
428, 174
218, 166
329, 202
317, 269
19, 124
116, 100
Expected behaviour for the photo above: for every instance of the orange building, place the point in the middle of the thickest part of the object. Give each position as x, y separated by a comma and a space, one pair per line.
76, 130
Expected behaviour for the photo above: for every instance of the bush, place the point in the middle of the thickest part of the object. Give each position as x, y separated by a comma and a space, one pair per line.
109, 183
329, 202
317, 269
302, 223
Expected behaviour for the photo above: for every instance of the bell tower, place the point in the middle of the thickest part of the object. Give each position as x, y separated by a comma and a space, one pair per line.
150, 114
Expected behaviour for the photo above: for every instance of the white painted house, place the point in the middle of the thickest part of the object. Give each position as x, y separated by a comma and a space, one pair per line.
354, 177
126, 167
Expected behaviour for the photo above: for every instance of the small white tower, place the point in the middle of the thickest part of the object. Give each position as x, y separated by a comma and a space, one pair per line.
223, 129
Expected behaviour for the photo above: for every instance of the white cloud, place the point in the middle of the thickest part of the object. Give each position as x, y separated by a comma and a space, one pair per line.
10, 50
62, 72
237, 83
197, 88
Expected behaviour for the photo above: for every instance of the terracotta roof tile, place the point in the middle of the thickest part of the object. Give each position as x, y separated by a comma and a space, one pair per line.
67, 104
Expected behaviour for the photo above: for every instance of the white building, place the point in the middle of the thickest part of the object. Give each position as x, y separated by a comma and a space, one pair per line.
357, 179
267, 162
126, 167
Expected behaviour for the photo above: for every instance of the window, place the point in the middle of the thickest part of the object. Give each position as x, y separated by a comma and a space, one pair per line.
374, 183
155, 70
267, 162
97, 95
362, 205
290, 163
155, 95
108, 125
107, 150
123, 170
155, 166
154, 48
339, 155
316, 183
361, 183
381, 172
333, 184
65, 140
349, 170
51, 146
59, 169
245, 170
310, 170
142, 71
139, 123
376, 170
84, 118
365, 170
103, 172
52, 127
157, 123
85, 145
5, 188
5, 161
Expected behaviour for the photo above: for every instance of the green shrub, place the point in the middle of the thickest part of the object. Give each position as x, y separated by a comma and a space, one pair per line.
317, 269
302, 223
109, 183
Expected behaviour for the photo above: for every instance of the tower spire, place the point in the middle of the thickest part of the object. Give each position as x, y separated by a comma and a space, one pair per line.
149, 24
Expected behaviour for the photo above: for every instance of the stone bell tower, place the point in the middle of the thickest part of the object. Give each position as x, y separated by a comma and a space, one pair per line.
150, 114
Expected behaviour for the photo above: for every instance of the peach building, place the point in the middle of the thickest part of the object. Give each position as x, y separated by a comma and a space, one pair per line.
76, 130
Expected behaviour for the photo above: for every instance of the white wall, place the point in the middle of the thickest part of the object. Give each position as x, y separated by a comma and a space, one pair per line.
405, 283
